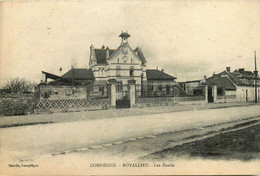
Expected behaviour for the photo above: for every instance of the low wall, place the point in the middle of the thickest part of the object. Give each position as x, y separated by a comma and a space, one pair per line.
226, 99
57, 92
167, 101
68, 105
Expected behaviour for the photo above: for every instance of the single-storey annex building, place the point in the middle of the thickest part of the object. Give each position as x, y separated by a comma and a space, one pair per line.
230, 86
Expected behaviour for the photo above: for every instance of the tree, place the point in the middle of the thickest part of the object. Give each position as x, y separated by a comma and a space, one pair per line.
19, 85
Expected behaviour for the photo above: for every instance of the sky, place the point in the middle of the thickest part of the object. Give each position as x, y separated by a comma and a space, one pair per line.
188, 39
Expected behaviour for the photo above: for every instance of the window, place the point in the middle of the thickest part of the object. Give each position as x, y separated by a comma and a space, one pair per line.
131, 61
90, 87
150, 87
168, 89
119, 86
102, 72
131, 71
118, 71
118, 60
99, 72
101, 90
160, 87
220, 91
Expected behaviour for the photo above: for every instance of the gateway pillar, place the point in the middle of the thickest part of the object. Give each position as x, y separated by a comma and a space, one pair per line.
131, 84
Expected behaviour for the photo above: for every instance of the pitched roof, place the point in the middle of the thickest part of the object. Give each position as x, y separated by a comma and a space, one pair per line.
51, 76
233, 77
79, 73
140, 54
222, 82
153, 74
101, 55
193, 81
244, 73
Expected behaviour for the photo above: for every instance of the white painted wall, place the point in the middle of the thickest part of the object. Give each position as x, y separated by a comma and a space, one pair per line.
241, 93
105, 72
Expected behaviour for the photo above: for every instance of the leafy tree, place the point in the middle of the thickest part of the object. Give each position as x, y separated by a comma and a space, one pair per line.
18, 85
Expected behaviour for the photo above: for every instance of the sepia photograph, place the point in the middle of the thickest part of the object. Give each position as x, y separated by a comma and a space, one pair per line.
160, 87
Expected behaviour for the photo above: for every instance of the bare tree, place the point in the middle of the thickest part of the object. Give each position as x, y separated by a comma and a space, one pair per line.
19, 85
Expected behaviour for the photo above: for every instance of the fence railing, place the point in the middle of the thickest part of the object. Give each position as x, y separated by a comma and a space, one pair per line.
160, 91
72, 103
159, 101
197, 98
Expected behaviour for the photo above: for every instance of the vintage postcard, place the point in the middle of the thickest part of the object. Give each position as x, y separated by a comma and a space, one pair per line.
129, 87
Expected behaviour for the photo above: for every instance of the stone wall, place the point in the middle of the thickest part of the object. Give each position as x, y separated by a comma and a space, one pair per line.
226, 99
56, 92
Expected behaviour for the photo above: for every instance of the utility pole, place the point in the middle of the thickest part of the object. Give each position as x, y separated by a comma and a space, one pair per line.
72, 76
255, 72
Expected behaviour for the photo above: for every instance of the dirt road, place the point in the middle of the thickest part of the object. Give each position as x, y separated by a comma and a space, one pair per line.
123, 139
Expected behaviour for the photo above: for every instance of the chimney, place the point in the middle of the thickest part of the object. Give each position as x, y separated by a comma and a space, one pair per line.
162, 70
214, 75
228, 69
204, 79
103, 47
107, 52
241, 70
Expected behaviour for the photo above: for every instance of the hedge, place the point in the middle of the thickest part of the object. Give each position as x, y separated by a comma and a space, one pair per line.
14, 106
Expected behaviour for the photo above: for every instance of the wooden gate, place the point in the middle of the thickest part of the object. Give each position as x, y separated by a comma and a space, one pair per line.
122, 96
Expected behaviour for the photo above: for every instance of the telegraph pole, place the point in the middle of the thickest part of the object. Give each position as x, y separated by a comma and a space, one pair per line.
255, 80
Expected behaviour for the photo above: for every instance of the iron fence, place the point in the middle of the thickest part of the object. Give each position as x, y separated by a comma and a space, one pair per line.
159, 91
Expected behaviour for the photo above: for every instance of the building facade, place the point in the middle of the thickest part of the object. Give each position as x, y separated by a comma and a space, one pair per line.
122, 65
238, 85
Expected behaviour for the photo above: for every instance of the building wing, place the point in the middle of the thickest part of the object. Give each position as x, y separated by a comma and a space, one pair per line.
153, 74
79, 74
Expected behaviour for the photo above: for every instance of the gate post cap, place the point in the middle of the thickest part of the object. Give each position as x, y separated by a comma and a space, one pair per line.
131, 81
111, 81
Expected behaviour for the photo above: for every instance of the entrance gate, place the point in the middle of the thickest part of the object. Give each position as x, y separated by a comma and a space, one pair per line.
210, 96
122, 96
